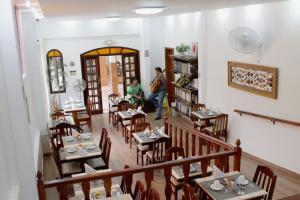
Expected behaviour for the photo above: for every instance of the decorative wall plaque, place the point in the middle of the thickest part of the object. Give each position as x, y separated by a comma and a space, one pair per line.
256, 79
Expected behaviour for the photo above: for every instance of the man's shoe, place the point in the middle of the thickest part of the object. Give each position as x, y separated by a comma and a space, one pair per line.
157, 118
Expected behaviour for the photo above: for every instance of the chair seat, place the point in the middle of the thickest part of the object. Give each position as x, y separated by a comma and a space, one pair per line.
126, 123
97, 163
83, 116
200, 123
70, 168
143, 148
208, 129
113, 109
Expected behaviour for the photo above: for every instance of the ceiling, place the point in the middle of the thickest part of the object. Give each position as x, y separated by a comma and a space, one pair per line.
124, 8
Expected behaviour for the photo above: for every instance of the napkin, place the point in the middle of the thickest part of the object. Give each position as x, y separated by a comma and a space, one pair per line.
218, 174
88, 169
82, 152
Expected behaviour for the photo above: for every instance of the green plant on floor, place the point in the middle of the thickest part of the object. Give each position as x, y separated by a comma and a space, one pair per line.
182, 48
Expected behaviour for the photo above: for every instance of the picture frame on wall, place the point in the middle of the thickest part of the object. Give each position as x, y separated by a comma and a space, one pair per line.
256, 79
194, 49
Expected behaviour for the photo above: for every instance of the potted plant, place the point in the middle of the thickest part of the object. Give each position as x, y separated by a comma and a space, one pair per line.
182, 48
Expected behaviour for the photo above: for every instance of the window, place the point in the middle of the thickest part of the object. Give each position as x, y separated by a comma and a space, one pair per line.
56, 74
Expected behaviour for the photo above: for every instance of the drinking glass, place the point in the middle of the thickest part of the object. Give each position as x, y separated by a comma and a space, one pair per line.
241, 189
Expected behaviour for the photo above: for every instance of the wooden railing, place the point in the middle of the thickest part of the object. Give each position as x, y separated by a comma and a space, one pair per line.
272, 119
191, 141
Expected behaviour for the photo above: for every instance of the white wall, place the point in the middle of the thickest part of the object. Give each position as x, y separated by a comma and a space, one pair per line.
73, 38
279, 26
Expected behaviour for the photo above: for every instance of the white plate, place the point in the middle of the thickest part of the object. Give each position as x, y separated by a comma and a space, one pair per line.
153, 136
192, 168
71, 150
86, 137
70, 139
91, 147
216, 188
244, 182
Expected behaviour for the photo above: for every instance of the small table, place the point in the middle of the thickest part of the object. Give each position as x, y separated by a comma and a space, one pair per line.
204, 115
144, 139
52, 123
86, 153
98, 186
252, 191
74, 108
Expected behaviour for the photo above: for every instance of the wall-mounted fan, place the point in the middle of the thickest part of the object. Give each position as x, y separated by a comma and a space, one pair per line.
79, 85
244, 40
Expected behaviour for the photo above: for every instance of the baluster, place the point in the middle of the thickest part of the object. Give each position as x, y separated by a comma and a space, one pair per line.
186, 172
107, 186
168, 187
187, 144
148, 178
128, 181
166, 128
175, 139
85, 185
237, 156
193, 145
63, 191
200, 153
181, 139
208, 146
204, 165
41, 186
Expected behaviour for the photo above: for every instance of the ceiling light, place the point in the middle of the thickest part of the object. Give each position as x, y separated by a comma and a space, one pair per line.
113, 18
149, 10
28, 4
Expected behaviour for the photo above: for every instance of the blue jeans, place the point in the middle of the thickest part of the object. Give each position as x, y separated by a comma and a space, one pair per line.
157, 99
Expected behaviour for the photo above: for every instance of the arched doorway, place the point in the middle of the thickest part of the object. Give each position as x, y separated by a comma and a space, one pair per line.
90, 66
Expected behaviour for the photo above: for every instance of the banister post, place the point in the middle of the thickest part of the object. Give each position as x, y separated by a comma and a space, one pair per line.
41, 186
237, 156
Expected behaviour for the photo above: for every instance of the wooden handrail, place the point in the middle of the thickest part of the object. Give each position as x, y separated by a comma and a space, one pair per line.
272, 119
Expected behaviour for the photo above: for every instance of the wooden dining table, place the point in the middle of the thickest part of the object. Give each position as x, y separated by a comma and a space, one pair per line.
204, 115
79, 149
74, 108
146, 138
250, 191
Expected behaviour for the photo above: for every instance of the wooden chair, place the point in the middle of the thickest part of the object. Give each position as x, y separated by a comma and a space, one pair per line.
62, 129
139, 191
129, 130
103, 138
102, 162
112, 108
142, 149
126, 182
65, 169
158, 152
153, 195
57, 115
172, 154
86, 116
122, 106
265, 178
198, 123
219, 129
189, 193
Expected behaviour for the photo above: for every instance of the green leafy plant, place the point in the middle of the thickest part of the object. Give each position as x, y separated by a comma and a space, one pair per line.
182, 48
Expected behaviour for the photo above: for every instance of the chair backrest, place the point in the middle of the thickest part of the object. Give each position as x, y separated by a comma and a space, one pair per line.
103, 138
64, 129
139, 191
113, 96
55, 155
141, 126
57, 115
159, 150
265, 178
189, 193
153, 195
126, 182
123, 105
135, 119
198, 106
220, 125
174, 152
106, 152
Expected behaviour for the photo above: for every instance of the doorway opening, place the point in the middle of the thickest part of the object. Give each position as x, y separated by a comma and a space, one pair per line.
108, 70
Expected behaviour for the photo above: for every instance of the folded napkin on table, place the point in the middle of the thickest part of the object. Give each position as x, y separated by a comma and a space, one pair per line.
218, 174
82, 152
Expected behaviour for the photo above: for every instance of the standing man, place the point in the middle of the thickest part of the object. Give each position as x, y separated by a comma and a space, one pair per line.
157, 98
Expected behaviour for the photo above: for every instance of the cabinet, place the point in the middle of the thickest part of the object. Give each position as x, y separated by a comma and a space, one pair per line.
185, 93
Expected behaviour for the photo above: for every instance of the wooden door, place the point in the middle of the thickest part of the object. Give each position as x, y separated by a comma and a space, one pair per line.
91, 74
131, 69
169, 52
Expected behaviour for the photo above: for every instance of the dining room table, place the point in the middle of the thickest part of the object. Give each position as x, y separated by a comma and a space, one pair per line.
237, 191
74, 107
144, 138
97, 189
79, 148
205, 115
195, 172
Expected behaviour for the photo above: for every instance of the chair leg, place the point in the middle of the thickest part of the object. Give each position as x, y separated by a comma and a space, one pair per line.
137, 157
130, 140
